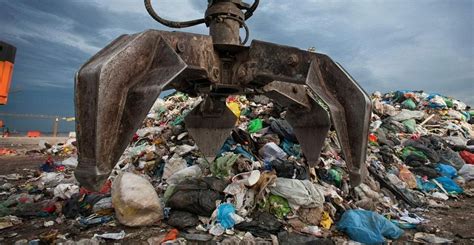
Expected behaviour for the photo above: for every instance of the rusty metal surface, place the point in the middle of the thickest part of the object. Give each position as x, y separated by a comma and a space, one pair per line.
117, 87
287, 94
114, 92
310, 121
210, 124
225, 20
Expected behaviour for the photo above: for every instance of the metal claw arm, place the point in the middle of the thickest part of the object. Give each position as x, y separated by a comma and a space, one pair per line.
117, 85
349, 106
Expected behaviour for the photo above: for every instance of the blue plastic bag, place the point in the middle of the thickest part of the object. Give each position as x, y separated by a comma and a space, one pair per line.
446, 170
291, 148
224, 215
426, 186
231, 146
449, 185
368, 227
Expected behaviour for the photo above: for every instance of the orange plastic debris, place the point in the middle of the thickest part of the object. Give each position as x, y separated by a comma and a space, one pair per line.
33, 134
373, 138
171, 236
6, 152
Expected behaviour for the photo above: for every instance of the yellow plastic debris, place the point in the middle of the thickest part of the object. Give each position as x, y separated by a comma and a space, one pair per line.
326, 221
235, 108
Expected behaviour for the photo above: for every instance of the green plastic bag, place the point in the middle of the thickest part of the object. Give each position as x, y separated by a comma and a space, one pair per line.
336, 175
410, 125
222, 166
410, 150
277, 205
409, 104
255, 125
449, 102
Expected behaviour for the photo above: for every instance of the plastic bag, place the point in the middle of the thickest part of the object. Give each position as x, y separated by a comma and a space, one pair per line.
65, 191
299, 192
437, 102
467, 157
467, 172
182, 220
104, 206
262, 225
452, 158
231, 146
426, 186
173, 165
410, 125
255, 125
284, 129
135, 200
407, 114
225, 212
70, 162
407, 177
187, 173
291, 148
446, 170
277, 205
336, 176
111, 236
409, 104
368, 227
272, 151
449, 185
410, 150
197, 196
289, 170
222, 166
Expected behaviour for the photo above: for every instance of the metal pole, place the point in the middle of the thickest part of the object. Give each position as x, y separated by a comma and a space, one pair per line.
55, 127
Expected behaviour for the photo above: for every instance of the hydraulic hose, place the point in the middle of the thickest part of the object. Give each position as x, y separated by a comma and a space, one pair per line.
169, 23
252, 9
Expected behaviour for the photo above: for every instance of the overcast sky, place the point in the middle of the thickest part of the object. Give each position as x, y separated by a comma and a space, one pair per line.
385, 45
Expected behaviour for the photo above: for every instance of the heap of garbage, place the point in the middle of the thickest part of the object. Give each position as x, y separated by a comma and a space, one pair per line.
259, 188
65, 148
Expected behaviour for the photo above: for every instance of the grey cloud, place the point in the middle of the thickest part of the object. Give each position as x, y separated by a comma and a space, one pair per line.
385, 45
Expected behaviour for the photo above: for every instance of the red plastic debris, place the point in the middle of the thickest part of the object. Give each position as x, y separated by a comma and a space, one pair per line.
467, 157
171, 236
373, 138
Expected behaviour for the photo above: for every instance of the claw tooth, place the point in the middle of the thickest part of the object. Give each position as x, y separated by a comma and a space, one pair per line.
210, 128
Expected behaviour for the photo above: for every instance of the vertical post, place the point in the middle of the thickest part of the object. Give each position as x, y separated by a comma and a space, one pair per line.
55, 127
225, 20
7, 59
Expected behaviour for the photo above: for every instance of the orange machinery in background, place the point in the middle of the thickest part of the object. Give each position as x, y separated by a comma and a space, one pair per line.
7, 59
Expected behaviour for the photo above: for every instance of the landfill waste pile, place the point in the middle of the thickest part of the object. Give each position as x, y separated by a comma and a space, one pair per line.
60, 149
259, 188
8, 152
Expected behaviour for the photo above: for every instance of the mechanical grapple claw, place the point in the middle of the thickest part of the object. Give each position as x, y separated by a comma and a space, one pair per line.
117, 87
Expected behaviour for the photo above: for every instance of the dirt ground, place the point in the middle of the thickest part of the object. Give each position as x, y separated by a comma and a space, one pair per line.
34, 228
455, 222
